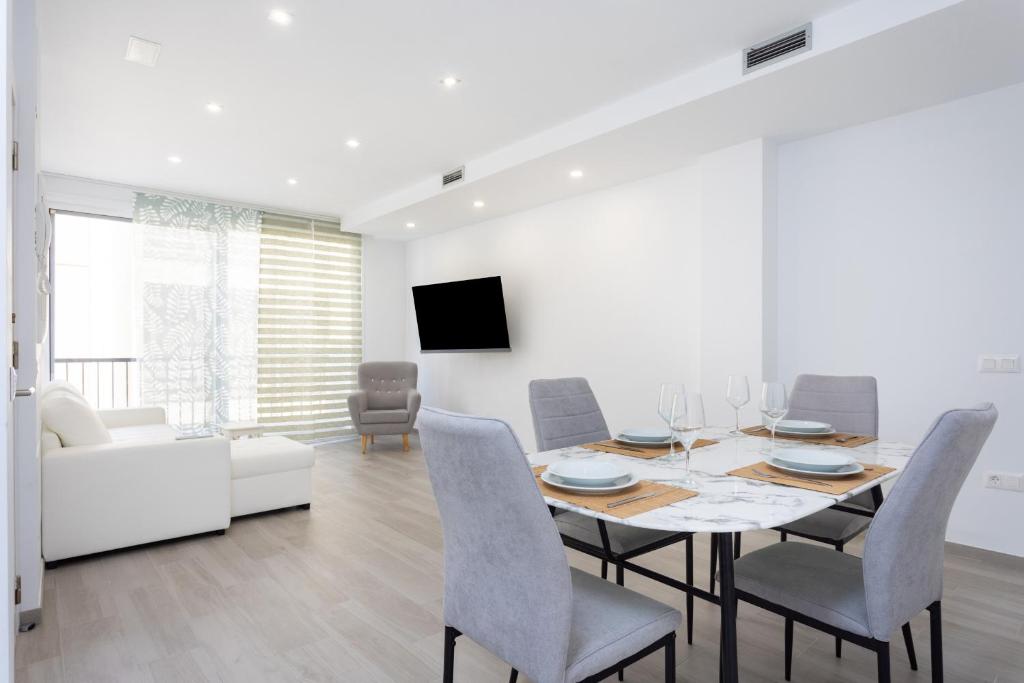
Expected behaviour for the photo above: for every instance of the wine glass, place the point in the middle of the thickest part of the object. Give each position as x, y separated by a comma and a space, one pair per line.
689, 421
669, 390
774, 405
737, 393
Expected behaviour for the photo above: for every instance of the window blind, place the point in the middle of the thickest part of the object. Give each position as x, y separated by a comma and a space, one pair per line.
310, 328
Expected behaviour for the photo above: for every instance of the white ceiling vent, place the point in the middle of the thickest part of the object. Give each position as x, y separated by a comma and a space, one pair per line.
142, 51
778, 48
453, 176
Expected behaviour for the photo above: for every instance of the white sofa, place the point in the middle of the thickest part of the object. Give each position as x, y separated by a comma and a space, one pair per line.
142, 486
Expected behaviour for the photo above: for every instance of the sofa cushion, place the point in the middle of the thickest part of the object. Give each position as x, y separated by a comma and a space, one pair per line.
268, 455
67, 414
379, 417
150, 433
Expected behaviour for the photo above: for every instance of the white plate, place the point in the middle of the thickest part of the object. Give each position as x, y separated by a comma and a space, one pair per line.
812, 460
809, 435
643, 444
849, 470
655, 435
809, 426
587, 472
555, 480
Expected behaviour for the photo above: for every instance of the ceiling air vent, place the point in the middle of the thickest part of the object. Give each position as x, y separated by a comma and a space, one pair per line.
453, 176
780, 47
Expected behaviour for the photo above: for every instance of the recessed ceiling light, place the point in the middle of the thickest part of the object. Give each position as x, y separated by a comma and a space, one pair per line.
142, 51
479, 204
576, 173
174, 159
410, 225
353, 143
280, 17
214, 108
293, 181
450, 81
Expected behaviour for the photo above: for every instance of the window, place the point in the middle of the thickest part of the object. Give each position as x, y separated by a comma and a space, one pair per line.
310, 326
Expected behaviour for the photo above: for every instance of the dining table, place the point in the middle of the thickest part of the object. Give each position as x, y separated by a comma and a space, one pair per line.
726, 504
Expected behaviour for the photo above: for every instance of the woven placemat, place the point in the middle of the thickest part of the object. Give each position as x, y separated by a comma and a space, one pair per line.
837, 439
762, 471
643, 452
599, 502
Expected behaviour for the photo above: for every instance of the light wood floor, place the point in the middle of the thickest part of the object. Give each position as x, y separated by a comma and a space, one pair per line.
351, 591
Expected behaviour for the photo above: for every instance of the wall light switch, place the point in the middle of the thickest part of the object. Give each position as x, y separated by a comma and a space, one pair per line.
999, 363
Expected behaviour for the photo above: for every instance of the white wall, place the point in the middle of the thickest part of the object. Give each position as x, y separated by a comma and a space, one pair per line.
900, 247
384, 298
732, 263
605, 286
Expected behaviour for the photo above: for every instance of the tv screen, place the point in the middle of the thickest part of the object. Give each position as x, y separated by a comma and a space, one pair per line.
468, 315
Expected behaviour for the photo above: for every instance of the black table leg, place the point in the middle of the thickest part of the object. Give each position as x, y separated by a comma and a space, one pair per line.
727, 593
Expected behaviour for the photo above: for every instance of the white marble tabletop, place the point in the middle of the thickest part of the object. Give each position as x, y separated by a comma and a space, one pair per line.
725, 503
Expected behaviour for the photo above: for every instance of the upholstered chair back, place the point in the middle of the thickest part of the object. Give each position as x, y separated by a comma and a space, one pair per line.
506, 578
903, 552
387, 383
850, 404
565, 413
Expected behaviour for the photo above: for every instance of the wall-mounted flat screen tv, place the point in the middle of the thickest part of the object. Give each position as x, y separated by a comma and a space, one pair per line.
467, 315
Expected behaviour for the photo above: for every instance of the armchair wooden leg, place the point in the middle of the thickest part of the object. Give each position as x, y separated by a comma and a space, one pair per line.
405, 442
371, 439
365, 439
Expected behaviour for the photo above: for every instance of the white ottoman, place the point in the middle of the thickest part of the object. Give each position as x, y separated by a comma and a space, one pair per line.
270, 473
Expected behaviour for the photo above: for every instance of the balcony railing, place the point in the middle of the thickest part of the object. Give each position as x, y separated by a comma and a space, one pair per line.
105, 382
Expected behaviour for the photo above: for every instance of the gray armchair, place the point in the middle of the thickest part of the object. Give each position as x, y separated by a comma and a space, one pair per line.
387, 400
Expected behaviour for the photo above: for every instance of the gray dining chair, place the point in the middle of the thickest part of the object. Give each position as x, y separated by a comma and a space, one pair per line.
386, 402
865, 601
566, 413
507, 582
849, 404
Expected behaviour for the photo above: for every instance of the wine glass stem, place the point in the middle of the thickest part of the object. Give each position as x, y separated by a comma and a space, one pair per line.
737, 420
671, 443
773, 438
686, 466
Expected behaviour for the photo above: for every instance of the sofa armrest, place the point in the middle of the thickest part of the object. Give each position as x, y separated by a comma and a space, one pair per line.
357, 403
108, 496
412, 404
133, 417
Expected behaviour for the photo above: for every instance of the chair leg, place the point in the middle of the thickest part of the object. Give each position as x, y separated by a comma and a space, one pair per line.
935, 611
620, 578
689, 596
371, 440
405, 442
883, 663
365, 439
789, 648
513, 677
908, 639
783, 535
839, 641
736, 545
604, 569
670, 659
450, 634
714, 561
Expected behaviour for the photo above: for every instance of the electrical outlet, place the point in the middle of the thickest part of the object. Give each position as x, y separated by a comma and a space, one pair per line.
1004, 481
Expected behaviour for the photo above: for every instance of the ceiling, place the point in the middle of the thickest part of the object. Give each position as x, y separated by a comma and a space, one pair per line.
293, 95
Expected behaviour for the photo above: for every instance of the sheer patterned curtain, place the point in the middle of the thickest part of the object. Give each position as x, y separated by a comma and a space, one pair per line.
198, 289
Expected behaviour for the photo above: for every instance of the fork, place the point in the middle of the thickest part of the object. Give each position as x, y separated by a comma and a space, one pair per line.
776, 476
